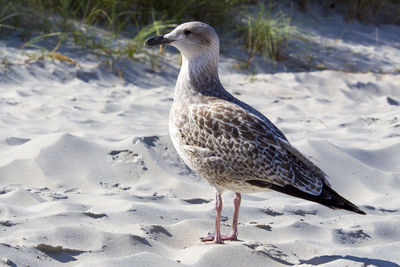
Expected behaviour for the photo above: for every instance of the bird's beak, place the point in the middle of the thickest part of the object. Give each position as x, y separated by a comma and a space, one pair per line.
157, 40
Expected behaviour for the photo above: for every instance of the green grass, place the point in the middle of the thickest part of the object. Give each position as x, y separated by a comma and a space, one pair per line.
118, 28
268, 33
84, 21
119, 15
6, 15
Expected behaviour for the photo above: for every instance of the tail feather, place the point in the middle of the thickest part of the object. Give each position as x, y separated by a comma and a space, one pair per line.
328, 196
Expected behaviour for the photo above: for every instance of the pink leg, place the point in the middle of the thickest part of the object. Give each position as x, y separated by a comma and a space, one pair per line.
236, 201
218, 207
217, 238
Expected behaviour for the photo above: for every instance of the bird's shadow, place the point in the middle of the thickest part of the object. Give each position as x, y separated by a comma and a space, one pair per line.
366, 261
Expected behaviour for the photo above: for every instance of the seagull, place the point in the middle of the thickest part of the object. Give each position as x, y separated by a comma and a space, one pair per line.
229, 143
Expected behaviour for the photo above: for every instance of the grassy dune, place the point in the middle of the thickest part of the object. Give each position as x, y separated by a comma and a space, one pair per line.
96, 24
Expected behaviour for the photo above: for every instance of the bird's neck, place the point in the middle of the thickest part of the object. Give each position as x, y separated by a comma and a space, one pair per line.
199, 77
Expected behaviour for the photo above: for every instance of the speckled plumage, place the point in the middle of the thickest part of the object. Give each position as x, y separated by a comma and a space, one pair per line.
227, 142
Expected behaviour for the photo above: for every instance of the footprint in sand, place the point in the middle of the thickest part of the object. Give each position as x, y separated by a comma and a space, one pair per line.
351, 237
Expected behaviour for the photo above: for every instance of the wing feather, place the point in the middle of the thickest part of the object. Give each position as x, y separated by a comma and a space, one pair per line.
249, 148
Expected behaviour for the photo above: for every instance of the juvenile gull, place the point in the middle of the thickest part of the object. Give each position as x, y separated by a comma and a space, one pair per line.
229, 143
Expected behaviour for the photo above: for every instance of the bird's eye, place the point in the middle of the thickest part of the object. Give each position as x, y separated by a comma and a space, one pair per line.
187, 32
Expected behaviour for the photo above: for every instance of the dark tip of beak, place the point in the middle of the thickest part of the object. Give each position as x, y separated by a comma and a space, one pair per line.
157, 40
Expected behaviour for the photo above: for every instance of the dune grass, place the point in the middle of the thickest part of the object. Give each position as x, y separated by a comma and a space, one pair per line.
118, 28
137, 19
268, 33
118, 15
6, 15
84, 21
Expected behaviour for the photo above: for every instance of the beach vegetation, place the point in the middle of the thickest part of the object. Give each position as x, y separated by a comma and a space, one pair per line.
268, 32
118, 28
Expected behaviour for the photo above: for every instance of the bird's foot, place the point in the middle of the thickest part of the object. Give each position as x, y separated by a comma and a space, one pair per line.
211, 237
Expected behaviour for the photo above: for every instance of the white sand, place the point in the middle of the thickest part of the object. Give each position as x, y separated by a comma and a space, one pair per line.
88, 175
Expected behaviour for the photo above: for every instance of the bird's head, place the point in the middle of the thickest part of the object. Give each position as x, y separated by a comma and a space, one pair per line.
192, 39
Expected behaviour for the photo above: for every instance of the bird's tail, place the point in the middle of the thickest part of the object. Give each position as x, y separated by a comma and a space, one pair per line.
328, 196
333, 200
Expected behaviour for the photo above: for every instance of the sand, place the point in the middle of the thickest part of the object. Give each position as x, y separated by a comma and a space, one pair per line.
88, 175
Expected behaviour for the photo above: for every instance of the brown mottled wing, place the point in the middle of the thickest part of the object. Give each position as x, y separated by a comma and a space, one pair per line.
249, 149
304, 166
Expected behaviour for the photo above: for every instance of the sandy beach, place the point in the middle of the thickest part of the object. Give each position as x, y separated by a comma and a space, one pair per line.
89, 176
